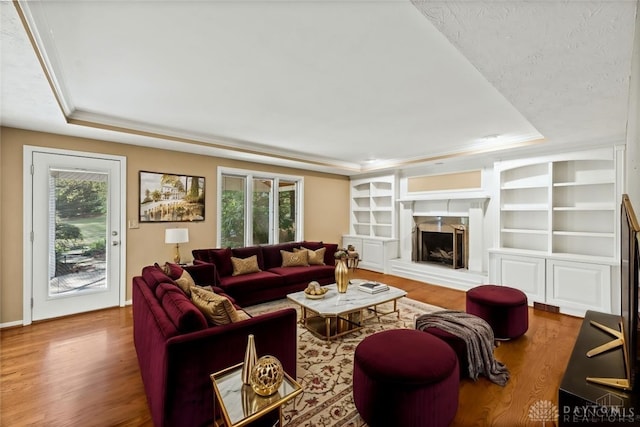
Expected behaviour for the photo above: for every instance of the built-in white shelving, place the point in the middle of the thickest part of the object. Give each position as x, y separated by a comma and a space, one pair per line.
373, 207
373, 221
559, 215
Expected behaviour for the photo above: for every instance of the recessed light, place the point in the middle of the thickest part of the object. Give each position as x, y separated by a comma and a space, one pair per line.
491, 137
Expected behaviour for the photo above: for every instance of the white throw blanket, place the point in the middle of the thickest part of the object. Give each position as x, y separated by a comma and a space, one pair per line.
478, 336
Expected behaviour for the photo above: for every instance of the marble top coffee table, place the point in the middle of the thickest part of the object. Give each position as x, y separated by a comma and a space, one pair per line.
338, 314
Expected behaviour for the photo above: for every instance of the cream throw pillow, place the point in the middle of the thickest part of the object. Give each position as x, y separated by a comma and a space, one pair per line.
245, 265
216, 308
315, 257
295, 259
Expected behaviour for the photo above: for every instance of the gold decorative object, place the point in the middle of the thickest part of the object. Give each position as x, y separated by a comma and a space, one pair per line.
250, 359
342, 275
266, 376
315, 291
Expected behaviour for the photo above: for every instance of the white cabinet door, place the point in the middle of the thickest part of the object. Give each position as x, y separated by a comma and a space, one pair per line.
579, 286
372, 255
520, 272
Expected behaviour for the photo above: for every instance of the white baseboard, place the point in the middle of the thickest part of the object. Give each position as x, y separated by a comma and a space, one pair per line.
19, 322
11, 324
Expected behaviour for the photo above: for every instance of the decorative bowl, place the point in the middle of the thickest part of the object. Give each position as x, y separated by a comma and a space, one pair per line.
314, 296
315, 291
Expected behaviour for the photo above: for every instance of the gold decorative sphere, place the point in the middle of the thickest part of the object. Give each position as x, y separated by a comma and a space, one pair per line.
266, 376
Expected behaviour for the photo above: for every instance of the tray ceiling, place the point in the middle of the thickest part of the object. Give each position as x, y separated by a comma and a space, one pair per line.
339, 86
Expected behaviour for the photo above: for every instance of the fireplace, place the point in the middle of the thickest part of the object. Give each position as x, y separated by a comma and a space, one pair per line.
441, 242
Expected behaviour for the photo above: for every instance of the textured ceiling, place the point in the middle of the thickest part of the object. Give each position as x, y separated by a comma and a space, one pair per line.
340, 86
565, 65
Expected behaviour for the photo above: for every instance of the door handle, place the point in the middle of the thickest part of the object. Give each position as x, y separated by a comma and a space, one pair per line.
115, 243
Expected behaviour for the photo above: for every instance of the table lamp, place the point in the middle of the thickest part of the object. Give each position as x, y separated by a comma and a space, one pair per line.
177, 236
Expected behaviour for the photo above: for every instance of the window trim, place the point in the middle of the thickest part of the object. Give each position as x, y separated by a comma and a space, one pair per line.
249, 176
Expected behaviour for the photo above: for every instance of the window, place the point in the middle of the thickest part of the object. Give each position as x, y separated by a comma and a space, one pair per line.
256, 208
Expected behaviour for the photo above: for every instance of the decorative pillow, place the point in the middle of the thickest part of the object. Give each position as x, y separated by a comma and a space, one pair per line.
221, 257
331, 249
185, 282
245, 265
312, 245
182, 312
315, 257
165, 288
247, 251
295, 259
153, 275
172, 270
217, 309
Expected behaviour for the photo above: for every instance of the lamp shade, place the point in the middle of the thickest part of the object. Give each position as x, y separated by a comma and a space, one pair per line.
176, 235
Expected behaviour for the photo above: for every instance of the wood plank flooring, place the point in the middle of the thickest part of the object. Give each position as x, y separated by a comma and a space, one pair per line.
82, 370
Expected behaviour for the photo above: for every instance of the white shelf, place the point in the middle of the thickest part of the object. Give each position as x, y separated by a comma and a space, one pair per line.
594, 207
581, 183
583, 234
523, 231
525, 207
524, 186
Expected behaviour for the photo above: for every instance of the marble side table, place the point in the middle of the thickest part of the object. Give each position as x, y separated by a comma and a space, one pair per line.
240, 405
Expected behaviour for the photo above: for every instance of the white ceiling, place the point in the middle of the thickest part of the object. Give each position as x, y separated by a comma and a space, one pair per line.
338, 86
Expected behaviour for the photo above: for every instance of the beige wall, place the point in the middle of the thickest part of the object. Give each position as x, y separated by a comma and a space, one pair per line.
448, 181
326, 205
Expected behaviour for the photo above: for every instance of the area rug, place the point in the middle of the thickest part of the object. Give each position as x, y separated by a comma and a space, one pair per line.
325, 369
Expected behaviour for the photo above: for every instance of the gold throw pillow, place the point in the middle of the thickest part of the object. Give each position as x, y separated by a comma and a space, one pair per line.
216, 308
185, 282
295, 259
315, 257
245, 265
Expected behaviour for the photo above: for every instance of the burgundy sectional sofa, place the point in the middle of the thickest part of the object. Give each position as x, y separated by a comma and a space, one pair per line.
273, 281
177, 350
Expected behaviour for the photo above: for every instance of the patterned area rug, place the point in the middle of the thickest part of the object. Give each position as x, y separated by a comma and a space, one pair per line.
325, 369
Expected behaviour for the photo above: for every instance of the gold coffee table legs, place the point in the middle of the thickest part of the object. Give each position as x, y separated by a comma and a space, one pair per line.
330, 327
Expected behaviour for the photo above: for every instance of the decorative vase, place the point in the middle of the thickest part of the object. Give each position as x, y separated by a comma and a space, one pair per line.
342, 275
267, 376
250, 360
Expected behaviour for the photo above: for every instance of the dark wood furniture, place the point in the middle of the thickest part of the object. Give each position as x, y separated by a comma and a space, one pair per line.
582, 402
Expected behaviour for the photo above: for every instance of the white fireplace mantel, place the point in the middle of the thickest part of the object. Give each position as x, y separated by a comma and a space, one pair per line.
472, 196
465, 204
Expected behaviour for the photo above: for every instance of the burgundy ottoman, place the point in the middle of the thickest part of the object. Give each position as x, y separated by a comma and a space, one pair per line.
457, 344
404, 377
504, 308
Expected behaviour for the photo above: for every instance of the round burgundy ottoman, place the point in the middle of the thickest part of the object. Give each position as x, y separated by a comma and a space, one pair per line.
404, 377
457, 344
504, 308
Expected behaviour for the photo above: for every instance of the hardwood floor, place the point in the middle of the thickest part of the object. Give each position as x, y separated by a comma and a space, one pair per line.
82, 370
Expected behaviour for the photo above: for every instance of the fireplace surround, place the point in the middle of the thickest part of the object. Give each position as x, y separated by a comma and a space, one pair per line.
441, 241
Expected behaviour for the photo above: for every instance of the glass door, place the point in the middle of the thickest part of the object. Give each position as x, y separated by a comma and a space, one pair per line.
76, 234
